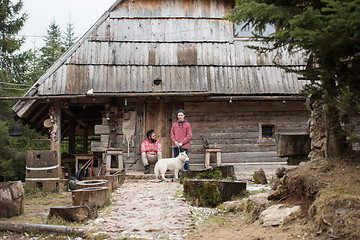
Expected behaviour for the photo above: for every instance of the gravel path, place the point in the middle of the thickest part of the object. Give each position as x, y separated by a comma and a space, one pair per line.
146, 209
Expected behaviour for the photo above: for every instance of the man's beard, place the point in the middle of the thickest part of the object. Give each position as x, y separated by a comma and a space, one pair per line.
152, 140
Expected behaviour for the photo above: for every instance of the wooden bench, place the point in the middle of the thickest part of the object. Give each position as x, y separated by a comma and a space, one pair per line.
208, 151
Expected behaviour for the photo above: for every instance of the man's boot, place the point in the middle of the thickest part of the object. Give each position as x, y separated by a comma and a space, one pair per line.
147, 169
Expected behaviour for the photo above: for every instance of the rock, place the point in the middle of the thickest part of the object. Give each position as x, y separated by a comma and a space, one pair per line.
280, 172
260, 198
252, 206
74, 214
296, 159
259, 177
275, 183
280, 193
11, 199
278, 215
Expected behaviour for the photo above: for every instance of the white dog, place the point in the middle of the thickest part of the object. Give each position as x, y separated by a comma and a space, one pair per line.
175, 164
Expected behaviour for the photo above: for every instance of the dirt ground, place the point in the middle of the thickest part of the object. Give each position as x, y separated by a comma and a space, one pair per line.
145, 209
235, 228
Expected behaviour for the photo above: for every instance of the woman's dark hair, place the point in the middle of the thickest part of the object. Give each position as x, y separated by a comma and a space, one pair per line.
149, 133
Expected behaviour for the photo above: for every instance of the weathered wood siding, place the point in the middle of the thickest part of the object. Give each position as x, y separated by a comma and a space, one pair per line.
236, 128
172, 8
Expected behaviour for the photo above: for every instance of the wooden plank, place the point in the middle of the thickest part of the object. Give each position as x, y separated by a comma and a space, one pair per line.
104, 129
98, 146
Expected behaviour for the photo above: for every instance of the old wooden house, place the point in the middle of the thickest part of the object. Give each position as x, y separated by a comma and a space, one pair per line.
145, 59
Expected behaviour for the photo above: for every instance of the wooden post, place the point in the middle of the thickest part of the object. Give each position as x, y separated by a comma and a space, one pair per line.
86, 141
218, 158
207, 159
72, 138
55, 117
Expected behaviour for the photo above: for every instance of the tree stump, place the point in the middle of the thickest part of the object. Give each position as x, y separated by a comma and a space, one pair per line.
230, 189
74, 214
227, 172
203, 193
210, 193
91, 183
11, 199
97, 196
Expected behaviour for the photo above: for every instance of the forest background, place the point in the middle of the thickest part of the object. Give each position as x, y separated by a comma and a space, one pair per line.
19, 70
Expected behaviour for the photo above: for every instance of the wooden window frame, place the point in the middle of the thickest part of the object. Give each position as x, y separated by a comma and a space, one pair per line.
267, 124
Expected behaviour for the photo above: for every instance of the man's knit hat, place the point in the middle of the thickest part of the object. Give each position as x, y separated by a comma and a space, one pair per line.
180, 111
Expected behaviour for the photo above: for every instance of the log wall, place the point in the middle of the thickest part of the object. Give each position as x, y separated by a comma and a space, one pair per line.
236, 128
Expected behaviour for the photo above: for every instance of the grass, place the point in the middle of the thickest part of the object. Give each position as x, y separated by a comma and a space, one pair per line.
37, 205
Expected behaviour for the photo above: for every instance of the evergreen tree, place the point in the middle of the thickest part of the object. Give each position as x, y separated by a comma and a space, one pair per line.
12, 63
329, 33
34, 68
69, 38
15, 78
53, 48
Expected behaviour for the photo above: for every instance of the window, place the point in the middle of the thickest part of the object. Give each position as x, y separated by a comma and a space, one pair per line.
267, 131
247, 32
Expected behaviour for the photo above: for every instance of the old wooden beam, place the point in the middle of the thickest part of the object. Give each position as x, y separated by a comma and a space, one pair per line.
72, 137
85, 141
36, 228
42, 97
247, 97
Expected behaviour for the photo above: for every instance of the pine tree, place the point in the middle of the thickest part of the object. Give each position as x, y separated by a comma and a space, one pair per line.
328, 31
69, 38
53, 48
15, 78
12, 62
34, 69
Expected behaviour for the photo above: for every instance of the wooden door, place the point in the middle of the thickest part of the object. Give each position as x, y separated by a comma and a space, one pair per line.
158, 116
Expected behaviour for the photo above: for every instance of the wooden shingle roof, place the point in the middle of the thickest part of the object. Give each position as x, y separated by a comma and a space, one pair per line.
186, 44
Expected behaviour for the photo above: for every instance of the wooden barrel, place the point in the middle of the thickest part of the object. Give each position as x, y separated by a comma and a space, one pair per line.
11, 199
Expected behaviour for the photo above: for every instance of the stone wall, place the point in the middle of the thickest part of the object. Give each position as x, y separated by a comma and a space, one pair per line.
317, 132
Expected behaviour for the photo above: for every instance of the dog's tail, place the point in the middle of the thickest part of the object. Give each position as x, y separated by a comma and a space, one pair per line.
156, 170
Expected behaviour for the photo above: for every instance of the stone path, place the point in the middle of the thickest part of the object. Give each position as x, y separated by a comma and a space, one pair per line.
146, 209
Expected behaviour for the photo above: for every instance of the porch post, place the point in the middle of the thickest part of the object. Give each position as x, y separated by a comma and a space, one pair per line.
55, 134
72, 138
86, 140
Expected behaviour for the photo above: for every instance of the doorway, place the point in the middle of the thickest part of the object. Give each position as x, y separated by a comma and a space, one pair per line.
158, 116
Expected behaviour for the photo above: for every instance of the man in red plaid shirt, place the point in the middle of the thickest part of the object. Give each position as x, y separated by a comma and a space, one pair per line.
151, 150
